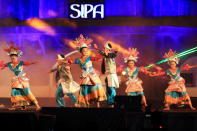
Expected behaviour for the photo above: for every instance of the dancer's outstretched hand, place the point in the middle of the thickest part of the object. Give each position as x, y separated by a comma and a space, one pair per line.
95, 46
49, 71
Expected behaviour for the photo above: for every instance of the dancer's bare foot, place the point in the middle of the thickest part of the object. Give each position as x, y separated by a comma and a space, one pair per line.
192, 108
98, 104
144, 106
12, 108
38, 108
111, 106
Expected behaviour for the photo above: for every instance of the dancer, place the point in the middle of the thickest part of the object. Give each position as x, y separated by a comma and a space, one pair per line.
176, 91
109, 68
91, 90
133, 83
21, 96
64, 81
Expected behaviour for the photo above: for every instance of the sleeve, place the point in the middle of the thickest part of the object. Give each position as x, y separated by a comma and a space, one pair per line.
143, 69
186, 67
96, 58
26, 63
70, 61
113, 55
2, 65
77, 61
54, 68
161, 73
101, 52
120, 69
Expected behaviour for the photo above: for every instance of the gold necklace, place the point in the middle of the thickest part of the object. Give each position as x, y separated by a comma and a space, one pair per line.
14, 65
83, 59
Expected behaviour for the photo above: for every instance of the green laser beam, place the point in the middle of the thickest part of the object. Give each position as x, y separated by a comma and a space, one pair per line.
186, 53
189, 50
177, 55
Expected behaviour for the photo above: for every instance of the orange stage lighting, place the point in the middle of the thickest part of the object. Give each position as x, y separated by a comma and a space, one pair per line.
41, 25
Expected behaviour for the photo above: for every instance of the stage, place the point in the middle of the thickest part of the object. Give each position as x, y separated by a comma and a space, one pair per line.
102, 119
42, 29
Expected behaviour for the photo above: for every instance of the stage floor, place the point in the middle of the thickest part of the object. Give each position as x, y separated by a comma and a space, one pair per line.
97, 119
51, 118
156, 104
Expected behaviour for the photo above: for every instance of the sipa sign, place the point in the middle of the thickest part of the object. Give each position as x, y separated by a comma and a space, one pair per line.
86, 11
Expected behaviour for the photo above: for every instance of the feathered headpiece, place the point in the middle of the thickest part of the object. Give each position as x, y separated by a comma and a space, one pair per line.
171, 56
132, 55
13, 50
81, 42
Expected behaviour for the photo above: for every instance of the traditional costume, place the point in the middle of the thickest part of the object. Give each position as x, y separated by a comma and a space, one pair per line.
21, 95
176, 90
64, 81
133, 83
108, 67
91, 90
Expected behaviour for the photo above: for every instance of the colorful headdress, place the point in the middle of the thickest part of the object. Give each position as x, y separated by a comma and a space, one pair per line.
108, 46
82, 42
60, 57
171, 56
132, 55
13, 50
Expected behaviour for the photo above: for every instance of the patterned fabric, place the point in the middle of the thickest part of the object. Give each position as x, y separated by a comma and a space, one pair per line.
89, 76
133, 84
112, 80
137, 93
177, 83
64, 78
89, 94
60, 97
20, 80
91, 90
176, 98
21, 94
176, 91
19, 97
108, 64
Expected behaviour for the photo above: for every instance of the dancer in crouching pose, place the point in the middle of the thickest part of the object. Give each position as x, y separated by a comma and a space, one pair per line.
64, 81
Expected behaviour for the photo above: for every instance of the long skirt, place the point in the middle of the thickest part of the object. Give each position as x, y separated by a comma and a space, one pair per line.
90, 94
22, 97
